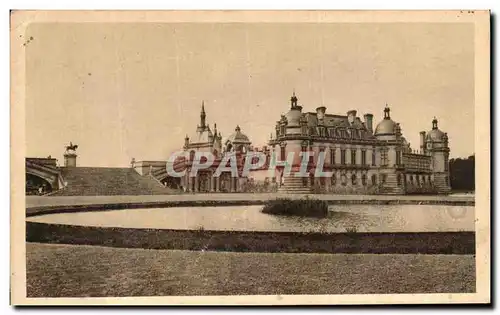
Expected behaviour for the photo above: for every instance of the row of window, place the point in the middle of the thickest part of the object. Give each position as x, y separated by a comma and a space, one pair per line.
425, 179
349, 133
342, 156
384, 160
344, 179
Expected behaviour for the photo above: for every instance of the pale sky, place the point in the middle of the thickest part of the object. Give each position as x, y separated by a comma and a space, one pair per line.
135, 90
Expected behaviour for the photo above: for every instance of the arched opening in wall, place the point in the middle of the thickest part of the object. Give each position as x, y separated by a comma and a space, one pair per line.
423, 180
172, 182
363, 179
383, 178
36, 185
354, 179
343, 179
418, 180
399, 179
225, 182
191, 155
411, 180
322, 182
374, 180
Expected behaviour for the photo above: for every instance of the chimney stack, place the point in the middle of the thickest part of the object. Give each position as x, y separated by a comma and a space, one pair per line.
369, 122
320, 112
351, 115
422, 141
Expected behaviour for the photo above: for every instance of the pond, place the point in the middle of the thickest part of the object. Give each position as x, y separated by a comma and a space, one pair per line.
341, 218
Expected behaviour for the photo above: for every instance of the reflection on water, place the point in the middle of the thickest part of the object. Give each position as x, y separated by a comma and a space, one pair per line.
342, 218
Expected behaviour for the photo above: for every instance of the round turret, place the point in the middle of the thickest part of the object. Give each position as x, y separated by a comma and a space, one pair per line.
387, 128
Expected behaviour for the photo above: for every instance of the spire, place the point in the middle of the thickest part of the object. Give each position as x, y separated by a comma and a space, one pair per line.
202, 115
294, 99
387, 112
434, 123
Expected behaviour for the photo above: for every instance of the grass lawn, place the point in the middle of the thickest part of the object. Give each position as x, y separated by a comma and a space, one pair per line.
82, 271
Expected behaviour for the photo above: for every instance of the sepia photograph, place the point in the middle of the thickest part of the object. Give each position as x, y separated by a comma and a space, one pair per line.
250, 157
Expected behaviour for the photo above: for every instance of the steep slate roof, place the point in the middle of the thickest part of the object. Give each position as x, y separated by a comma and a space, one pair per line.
337, 121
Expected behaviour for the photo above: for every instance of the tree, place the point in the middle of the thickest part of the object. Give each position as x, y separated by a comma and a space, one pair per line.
462, 173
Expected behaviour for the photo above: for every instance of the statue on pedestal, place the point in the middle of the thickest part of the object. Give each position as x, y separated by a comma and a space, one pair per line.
71, 147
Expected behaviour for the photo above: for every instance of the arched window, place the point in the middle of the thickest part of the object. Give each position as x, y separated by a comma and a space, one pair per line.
354, 179
374, 180
334, 180
343, 179
282, 153
411, 179
332, 156
399, 179
363, 179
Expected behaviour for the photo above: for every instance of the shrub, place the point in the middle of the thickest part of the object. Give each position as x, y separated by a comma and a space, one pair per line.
305, 207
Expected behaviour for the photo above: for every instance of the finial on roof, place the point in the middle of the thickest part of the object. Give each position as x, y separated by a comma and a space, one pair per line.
435, 123
387, 111
202, 115
237, 129
294, 99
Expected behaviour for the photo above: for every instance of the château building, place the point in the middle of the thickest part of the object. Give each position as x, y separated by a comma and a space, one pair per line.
358, 159
361, 159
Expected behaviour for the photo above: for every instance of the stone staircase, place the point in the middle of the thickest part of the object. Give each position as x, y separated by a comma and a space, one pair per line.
441, 185
106, 181
390, 187
294, 185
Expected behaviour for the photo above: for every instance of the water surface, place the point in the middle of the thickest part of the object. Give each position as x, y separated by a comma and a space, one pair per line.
341, 218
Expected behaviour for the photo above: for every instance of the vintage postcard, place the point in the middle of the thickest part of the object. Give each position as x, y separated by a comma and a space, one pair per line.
250, 157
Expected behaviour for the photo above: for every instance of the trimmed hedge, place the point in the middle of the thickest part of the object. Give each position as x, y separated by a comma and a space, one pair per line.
243, 241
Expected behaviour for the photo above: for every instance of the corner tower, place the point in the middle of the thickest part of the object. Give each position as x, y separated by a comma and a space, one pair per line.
436, 145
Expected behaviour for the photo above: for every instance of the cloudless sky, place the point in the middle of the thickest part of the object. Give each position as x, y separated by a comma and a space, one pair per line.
135, 90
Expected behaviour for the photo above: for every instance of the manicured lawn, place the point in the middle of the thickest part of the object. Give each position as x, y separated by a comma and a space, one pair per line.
76, 271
